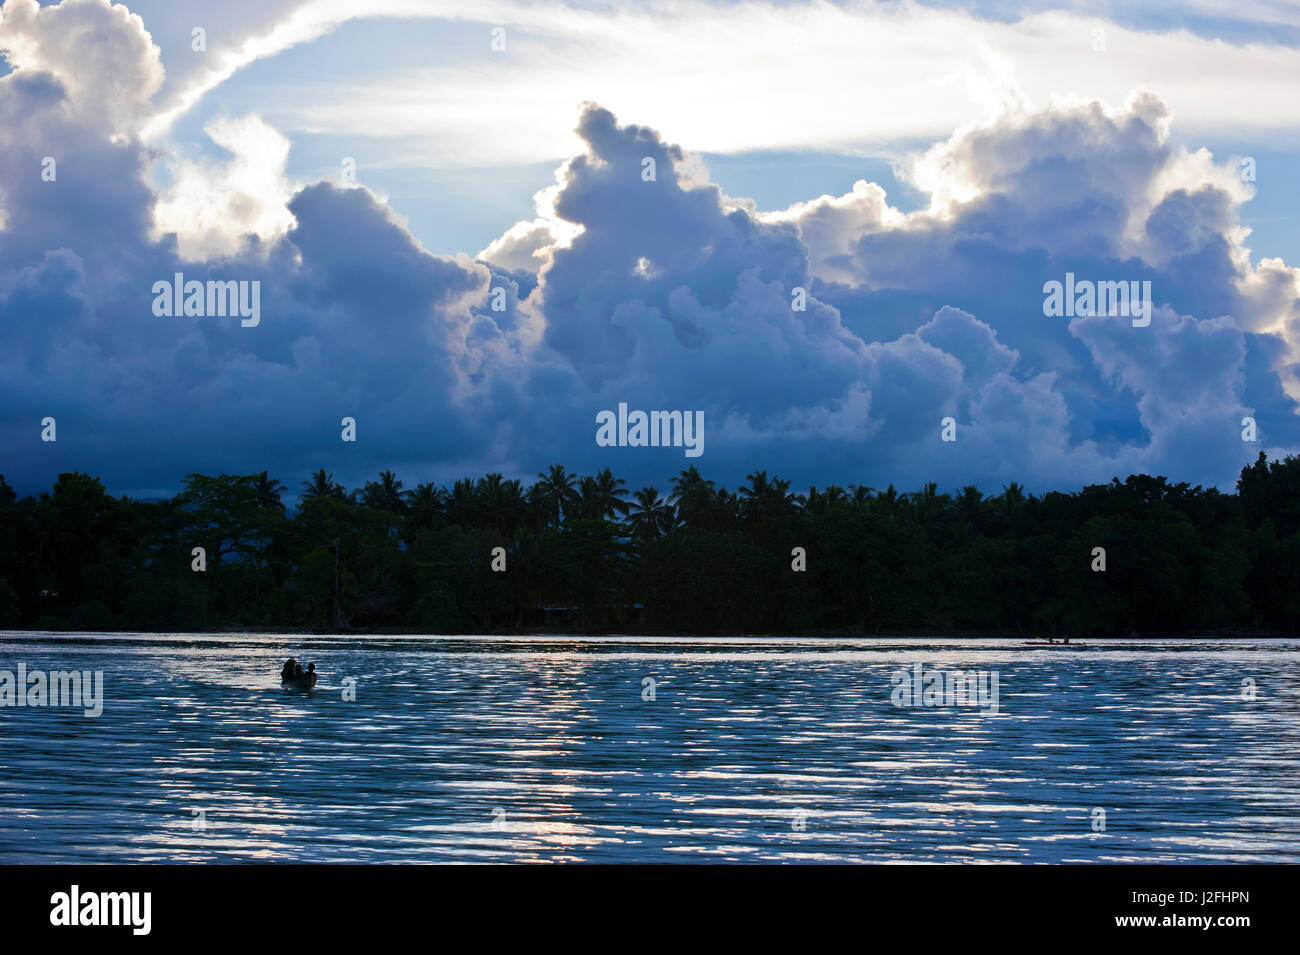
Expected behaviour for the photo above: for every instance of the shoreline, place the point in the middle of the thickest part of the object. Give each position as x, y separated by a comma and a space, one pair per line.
561, 634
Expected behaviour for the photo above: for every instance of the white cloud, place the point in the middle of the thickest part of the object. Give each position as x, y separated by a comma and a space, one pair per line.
100, 53
750, 75
829, 225
212, 205
811, 75
667, 293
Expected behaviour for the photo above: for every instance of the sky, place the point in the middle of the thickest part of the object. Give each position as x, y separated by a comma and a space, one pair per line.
841, 258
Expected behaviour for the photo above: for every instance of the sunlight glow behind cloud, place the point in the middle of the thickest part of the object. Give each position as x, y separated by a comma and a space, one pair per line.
749, 75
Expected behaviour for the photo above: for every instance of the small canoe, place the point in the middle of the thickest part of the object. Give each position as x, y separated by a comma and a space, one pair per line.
305, 682
1058, 645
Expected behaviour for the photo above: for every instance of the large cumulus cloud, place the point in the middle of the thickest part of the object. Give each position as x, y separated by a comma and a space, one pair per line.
664, 293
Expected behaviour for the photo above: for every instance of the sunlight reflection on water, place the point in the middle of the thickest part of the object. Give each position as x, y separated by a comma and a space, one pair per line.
536, 749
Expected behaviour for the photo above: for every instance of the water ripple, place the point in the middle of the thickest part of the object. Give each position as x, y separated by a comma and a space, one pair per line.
527, 749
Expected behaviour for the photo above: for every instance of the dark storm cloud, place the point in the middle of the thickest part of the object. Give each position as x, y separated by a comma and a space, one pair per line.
670, 296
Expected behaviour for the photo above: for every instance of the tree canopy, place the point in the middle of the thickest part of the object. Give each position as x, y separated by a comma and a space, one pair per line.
587, 553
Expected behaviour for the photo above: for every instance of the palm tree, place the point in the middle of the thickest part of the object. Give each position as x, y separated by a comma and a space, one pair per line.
817, 502
384, 494
1002, 511
695, 498
861, 496
726, 511
602, 496
538, 504
886, 502
764, 498
321, 485
268, 490
927, 503
1012, 500
588, 508
651, 517
500, 502
424, 507
463, 504
561, 493
689, 480
755, 495
514, 508
970, 504
929, 509
820, 502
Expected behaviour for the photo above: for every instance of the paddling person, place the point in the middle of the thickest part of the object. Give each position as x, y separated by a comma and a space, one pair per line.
311, 674
289, 671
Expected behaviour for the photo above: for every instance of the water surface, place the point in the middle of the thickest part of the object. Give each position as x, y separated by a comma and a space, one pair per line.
753, 750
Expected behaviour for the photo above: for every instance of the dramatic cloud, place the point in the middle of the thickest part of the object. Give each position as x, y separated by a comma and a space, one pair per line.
826, 341
100, 54
741, 75
211, 206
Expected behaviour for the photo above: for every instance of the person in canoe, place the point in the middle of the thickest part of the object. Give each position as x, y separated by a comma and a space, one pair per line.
292, 674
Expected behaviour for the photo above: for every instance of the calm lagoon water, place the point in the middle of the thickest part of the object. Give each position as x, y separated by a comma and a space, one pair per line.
752, 750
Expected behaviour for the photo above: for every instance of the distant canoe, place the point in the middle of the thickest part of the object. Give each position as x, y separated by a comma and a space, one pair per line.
1059, 646
305, 682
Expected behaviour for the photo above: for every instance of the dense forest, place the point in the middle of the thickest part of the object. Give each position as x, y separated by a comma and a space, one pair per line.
585, 554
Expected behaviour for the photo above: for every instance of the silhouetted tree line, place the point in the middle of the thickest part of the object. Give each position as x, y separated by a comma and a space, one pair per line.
582, 553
